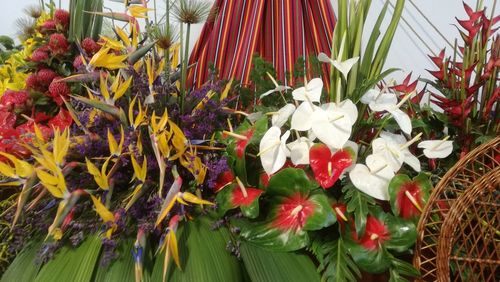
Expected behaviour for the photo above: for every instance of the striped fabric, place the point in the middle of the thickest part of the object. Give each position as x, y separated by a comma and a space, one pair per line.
281, 31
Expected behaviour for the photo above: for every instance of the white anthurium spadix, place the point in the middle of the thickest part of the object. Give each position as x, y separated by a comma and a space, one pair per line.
342, 66
380, 101
436, 149
373, 178
299, 150
347, 107
280, 117
396, 142
277, 88
310, 92
273, 150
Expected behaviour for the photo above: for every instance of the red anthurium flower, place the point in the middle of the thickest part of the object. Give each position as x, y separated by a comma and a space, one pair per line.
328, 167
241, 144
408, 196
245, 197
376, 233
293, 213
237, 195
224, 179
62, 120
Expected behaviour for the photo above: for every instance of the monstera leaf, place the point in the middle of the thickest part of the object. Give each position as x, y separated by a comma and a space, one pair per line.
296, 206
382, 232
409, 196
247, 199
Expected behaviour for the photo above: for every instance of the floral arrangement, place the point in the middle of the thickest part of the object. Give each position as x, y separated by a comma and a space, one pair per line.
133, 175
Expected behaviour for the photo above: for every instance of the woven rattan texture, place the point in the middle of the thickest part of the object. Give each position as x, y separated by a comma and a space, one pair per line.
459, 231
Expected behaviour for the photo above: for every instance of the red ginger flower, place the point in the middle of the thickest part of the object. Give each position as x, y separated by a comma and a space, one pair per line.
58, 89
16, 100
90, 46
45, 76
62, 17
58, 44
32, 82
39, 55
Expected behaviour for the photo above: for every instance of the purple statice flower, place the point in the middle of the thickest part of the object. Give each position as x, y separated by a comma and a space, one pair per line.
215, 167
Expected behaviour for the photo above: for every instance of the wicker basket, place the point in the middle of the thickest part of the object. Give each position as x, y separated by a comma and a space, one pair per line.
459, 231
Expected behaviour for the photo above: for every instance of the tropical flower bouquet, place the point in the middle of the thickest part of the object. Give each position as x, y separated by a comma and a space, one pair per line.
136, 176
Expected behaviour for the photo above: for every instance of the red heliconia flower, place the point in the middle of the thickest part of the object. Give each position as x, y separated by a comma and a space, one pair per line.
57, 90
224, 179
328, 167
293, 213
46, 76
406, 87
495, 98
464, 74
58, 44
61, 121
90, 46
438, 61
15, 101
61, 17
473, 15
39, 56
376, 233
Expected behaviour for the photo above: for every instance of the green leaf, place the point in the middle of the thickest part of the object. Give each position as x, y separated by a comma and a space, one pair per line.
73, 264
203, 255
373, 261
263, 265
24, 268
357, 203
403, 233
121, 269
323, 215
290, 181
338, 265
269, 237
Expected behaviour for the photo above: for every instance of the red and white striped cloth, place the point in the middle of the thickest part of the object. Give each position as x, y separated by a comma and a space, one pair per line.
280, 31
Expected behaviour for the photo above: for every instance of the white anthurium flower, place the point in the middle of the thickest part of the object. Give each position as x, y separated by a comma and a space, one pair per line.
301, 118
299, 150
347, 107
437, 149
311, 92
394, 142
373, 178
343, 66
277, 88
273, 150
281, 116
384, 101
331, 127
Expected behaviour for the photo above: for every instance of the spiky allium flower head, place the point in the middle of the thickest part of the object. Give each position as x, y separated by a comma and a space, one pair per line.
34, 11
25, 27
191, 11
165, 36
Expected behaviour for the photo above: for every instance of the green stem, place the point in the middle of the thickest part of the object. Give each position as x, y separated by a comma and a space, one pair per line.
184, 68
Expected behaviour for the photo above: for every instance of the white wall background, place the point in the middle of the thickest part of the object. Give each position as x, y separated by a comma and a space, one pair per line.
408, 52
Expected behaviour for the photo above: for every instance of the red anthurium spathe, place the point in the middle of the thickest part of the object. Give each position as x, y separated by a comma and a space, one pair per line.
296, 206
293, 213
241, 144
376, 233
224, 179
328, 167
237, 195
409, 196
